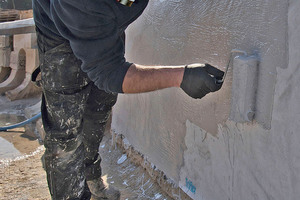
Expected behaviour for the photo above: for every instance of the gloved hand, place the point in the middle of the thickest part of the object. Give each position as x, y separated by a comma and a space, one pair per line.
201, 79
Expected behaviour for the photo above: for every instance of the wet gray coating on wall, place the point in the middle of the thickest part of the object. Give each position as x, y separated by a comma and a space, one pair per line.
180, 31
176, 32
184, 32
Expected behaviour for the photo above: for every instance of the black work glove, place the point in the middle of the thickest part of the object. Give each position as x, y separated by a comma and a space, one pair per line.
201, 79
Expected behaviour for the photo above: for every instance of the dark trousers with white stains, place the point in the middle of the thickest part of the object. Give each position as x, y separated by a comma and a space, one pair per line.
74, 113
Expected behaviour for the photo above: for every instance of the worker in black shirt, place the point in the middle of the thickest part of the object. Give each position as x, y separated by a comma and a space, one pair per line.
81, 50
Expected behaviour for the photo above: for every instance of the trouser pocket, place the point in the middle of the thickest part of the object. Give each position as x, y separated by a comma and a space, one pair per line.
61, 70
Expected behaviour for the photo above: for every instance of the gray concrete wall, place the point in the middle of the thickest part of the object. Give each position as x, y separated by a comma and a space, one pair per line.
192, 141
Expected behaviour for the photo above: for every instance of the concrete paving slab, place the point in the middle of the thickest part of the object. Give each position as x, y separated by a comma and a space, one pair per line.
17, 27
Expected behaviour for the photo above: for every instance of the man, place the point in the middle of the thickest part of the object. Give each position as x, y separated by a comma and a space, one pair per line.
81, 50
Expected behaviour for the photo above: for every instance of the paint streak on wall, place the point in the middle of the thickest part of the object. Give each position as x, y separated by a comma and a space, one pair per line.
238, 164
238, 161
245, 161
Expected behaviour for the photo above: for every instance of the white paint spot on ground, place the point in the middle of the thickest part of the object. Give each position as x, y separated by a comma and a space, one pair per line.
157, 196
122, 159
125, 182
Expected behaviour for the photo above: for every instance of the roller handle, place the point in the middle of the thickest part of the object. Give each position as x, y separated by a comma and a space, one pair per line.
220, 81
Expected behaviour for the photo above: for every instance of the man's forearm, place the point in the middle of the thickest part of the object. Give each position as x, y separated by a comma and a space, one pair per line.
140, 78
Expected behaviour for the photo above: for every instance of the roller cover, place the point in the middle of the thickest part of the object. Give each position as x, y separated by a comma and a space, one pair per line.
244, 85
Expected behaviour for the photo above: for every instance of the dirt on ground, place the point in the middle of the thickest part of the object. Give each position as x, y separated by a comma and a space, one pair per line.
23, 177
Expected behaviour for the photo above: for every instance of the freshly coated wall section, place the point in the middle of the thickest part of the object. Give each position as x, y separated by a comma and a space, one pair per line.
193, 141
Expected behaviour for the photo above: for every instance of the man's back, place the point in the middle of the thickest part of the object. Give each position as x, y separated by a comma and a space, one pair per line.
95, 31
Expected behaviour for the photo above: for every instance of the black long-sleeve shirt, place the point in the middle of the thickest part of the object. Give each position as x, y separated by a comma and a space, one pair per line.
95, 30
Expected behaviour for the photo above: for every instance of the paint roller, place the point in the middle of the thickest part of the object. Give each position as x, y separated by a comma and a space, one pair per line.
244, 85
220, 81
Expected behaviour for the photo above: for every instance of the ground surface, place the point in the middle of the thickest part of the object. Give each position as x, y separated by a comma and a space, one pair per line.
23, 178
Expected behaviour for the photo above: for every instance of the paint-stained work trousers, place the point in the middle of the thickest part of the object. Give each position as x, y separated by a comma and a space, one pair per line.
74, 113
